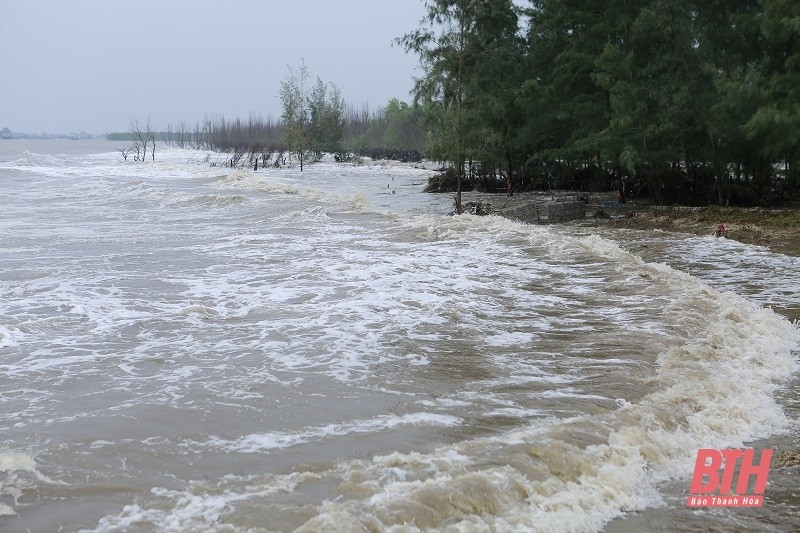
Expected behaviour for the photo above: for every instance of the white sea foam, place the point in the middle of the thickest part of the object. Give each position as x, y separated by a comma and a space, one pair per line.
9, 337
715, 391
245, 179
18, 473
269, 441
201, 506
11, 462
551, 485
547, 381
761, 275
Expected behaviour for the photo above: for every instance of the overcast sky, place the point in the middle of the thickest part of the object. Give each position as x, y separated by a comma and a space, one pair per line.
93, 65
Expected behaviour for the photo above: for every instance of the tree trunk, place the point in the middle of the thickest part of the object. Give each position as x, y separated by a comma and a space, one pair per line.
459, 102
791, 173
718, 174
509, 178
655, 188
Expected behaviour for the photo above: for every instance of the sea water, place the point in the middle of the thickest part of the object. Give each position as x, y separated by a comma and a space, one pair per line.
190, 347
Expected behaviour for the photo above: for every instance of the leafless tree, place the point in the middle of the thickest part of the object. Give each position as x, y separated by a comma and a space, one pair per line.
125, 152
142, 136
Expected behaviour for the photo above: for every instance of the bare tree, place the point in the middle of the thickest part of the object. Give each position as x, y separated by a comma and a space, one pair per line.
141, 138
125, 152
184, 135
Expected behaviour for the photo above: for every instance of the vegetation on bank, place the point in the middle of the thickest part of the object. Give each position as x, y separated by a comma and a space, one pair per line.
711, 215
684, 101
774, 228
687, 101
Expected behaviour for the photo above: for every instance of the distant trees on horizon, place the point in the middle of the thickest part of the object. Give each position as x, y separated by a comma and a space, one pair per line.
394, 131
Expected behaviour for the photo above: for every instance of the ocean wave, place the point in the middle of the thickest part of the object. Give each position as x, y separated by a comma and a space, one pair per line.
28, 160
489, 375
269, 441
715, 389
246, 179
712, 386
209, 200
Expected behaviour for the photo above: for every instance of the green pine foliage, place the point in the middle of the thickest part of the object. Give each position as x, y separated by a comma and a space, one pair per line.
687, 101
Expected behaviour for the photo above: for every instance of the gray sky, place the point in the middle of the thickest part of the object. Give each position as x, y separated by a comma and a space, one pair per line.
92, 65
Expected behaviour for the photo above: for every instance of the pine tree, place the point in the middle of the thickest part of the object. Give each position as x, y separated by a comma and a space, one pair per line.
493, 71
471, 53
567, 109
294, 99
441, 43
326, 126
776, 121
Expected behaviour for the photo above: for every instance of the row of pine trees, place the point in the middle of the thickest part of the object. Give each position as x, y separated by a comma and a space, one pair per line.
691, 101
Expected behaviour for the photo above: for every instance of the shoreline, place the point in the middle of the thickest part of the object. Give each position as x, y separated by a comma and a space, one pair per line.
749, 226
775, 229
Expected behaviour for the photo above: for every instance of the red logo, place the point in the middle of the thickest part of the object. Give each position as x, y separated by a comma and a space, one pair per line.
715, 475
